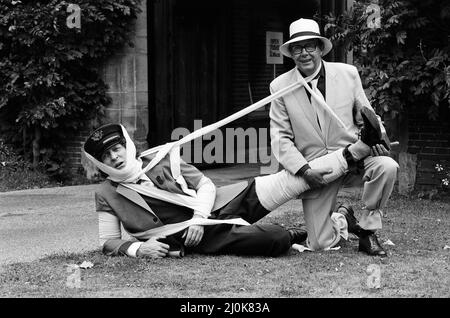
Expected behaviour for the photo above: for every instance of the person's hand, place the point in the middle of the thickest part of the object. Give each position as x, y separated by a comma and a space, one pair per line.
314, 177
153, 248
379, 150
193, 235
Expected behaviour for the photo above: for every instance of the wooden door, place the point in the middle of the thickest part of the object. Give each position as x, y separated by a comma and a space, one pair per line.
201, 62
190, 65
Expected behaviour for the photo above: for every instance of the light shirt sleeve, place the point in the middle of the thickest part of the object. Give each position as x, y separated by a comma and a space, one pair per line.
206, 195
109, 228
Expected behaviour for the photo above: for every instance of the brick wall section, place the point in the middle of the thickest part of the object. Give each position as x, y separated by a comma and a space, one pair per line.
249, 68
73, 149
126, 74
430, 141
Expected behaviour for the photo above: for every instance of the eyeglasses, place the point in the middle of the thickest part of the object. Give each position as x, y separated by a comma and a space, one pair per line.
298, 49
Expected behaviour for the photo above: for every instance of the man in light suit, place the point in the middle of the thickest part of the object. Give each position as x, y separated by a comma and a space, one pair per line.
306, 126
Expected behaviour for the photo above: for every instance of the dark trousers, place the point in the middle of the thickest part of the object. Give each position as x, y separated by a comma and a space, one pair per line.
254, 239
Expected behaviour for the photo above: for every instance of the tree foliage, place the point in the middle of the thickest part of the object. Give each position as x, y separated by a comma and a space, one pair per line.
404, 60
50, 80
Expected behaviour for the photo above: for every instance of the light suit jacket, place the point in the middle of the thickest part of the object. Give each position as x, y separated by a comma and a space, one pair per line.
296, 137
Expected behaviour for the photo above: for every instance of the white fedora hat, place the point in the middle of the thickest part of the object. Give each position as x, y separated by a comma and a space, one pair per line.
305, 29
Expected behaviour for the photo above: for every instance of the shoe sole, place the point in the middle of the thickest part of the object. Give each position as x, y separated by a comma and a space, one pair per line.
369, 254
372, 118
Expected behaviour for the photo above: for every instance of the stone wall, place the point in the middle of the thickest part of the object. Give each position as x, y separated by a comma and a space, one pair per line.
126, 75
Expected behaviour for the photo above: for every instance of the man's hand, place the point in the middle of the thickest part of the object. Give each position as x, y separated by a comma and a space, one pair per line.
153, 248
314, 177
193, 234
379, 150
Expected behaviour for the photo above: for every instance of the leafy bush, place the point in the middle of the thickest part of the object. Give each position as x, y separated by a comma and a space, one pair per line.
17, 173
50, 86
404, 61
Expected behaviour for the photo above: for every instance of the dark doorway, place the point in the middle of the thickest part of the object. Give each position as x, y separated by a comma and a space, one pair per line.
189, 65
207, 60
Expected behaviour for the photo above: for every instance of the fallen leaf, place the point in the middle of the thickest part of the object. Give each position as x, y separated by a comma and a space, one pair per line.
86, 265
3, 163
388, 242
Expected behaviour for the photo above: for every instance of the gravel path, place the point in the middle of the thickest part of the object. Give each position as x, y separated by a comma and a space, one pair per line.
34, 223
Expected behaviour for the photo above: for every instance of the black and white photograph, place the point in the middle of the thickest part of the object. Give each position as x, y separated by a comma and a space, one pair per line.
224, 158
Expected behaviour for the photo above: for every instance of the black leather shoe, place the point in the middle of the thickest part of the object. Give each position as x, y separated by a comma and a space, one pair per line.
352, 224
369, 244
371, 132
298, 235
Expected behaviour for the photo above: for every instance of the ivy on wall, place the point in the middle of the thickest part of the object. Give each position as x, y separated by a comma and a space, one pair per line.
401, 48
51, 56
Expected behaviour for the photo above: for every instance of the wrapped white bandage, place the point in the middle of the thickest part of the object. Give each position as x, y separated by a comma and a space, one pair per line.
276, 189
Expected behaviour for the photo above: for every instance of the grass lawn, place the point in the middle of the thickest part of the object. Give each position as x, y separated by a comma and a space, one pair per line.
418, 266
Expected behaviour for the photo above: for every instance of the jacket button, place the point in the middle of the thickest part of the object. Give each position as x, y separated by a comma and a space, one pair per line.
155, 220
159, 179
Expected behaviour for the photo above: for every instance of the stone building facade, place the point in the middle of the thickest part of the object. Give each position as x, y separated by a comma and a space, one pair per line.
206, 60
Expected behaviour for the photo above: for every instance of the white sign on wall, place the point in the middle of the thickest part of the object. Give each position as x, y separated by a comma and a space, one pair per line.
273, 42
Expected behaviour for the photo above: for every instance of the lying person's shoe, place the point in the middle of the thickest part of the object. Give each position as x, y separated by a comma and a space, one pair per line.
371, 132
369, 244
298, 235
352, 224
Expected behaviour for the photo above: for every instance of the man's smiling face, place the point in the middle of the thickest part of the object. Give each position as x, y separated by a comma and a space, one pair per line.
307, 55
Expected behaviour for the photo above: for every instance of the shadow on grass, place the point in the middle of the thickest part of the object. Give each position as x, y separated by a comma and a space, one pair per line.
417, 266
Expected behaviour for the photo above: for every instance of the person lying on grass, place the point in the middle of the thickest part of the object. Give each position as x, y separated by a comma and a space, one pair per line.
165, 211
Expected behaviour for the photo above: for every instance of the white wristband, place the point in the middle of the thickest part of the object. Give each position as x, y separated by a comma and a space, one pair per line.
132, 250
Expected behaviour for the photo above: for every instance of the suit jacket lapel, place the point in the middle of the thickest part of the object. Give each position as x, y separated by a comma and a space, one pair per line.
134, 197
330, 93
